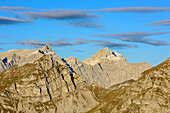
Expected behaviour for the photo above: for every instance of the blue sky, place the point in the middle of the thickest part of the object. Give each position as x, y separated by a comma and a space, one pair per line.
138, 29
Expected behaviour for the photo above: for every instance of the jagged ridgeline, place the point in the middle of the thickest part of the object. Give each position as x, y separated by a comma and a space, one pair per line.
106, 68
21, 57
38, 81
43, 86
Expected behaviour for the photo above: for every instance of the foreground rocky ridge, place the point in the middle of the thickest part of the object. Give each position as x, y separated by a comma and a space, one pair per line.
43, 86
149, 94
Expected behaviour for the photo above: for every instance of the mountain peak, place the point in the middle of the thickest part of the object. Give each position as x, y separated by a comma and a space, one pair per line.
46, 49
106, 48
47, 46
104, 53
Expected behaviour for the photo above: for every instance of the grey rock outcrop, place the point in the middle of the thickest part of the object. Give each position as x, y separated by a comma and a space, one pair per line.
46, 83
21, 57
7, 62
107, 68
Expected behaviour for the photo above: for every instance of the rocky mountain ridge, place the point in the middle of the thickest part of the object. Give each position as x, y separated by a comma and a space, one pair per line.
21, 57
148, 94
43, 86
50, 84
102, 54
106, 68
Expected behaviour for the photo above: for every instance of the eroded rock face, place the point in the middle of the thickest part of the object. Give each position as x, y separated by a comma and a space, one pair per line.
46, 83
7, 62
103, 54
43, 86
148, 94
107, 68
21, 57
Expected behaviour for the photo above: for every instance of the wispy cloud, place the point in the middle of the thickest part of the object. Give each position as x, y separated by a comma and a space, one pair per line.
76, 50
138, 37
56, 43
80, 41
135, 9
56, 51
111, 9
116, 45
161, 29
75, 16
131, 34
7, 20
86, 24
14, 8
60, 15
161, 23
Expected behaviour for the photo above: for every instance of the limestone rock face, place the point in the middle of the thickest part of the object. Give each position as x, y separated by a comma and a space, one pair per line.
21, 57
38, 81
43, 86
107, 68
148, 94
102, 54
7, 62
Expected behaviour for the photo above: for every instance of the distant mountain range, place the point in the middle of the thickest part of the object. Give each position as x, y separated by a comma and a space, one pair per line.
106, 68
38, 81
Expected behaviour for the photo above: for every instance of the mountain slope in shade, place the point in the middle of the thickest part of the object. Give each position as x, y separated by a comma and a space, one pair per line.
43, 86
149, 94
107, 68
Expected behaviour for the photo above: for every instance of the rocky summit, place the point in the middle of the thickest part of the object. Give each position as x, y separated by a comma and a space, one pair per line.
107, 68
38, 81
21, 57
